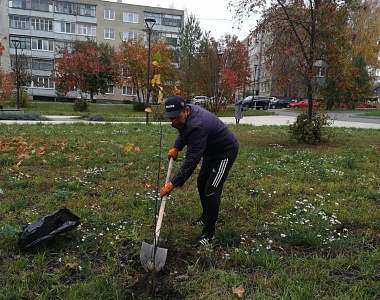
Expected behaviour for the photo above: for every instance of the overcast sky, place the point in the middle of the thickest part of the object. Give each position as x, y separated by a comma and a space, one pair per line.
213, 15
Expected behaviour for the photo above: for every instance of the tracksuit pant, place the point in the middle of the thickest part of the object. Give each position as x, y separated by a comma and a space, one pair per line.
211, 178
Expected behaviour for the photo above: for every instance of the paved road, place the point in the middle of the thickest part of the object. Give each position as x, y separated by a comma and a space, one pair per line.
282, 117
286, 117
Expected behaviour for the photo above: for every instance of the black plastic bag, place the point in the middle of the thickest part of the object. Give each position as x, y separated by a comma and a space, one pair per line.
60, 221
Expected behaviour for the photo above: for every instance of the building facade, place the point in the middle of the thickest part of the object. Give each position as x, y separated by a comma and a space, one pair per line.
39, 28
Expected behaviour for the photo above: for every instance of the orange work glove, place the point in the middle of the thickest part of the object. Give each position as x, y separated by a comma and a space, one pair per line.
166, 189
173, 153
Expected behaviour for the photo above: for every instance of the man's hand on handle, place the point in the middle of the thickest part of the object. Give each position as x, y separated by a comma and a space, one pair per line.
173, 153
165, 191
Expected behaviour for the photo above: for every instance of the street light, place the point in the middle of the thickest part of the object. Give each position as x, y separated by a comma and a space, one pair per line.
254, 81
17, 44
149, 24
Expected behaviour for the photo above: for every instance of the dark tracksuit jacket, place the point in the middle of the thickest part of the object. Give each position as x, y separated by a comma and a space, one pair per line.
205, 135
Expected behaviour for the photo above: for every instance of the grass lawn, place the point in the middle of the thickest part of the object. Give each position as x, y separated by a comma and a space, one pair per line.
117, 112
296, 221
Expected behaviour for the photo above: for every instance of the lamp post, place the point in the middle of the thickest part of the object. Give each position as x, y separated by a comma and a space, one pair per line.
149, 24
17, 44
220, 54
254, 81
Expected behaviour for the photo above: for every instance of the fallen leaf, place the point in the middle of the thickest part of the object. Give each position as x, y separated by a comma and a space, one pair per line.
128, 148
238, 291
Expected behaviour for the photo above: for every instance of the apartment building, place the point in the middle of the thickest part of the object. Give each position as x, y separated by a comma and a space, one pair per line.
41, 27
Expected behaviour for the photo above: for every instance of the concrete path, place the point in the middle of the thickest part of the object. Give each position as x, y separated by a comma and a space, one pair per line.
278, 120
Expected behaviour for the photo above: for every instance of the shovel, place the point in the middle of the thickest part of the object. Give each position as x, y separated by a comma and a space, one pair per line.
152, 256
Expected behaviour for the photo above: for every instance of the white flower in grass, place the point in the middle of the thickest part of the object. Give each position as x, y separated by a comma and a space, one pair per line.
311, 189
80, 268
283, 235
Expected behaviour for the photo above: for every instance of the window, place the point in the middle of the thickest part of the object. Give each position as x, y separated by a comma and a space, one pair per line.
17, 3
43, 82
19, 22
65, 8
41, 24
87, 10
171, 39
109, 14
171, 20
24, 42
109, 34
130, 17
67, 28
85, 29
128, 91
129, 35
155, 16
41, 44
60, 45
42, 64
109, 88
42, 5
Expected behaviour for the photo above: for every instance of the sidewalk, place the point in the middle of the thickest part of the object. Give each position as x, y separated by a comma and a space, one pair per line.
252, 120
287, 120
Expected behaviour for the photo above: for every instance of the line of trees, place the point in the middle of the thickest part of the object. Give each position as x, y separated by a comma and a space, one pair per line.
194, 66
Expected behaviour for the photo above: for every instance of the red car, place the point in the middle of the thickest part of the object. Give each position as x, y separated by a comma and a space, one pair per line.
301, 104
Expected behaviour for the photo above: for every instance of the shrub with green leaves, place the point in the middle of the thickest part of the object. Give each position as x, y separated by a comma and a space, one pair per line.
81, 105
138, 106
312, 133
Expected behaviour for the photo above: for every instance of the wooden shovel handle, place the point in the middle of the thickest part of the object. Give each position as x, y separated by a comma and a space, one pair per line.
163, 202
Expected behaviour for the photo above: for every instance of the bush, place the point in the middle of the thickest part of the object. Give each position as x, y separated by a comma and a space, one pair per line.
24, 99
33, 116
138, 106
312, 133
81, 105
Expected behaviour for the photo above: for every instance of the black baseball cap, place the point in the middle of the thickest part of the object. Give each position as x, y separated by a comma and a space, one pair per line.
173, 106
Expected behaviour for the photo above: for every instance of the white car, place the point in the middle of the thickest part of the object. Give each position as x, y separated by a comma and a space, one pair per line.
199, 100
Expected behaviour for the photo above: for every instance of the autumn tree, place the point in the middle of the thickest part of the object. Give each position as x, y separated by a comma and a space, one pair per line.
6, 86
364, 27
6, 81
235, 69
132, 57
307, 22
87, 68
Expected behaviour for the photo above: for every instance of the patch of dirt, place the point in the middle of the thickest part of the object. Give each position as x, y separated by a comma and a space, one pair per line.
174, 272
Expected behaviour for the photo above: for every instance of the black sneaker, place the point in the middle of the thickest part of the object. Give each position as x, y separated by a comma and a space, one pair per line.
202, 240
198, 222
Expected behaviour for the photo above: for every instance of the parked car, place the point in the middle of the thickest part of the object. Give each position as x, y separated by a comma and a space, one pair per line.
199, 100
280, 103
256, 102
300, 104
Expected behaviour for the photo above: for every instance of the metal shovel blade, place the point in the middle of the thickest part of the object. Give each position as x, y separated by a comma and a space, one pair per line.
147, 257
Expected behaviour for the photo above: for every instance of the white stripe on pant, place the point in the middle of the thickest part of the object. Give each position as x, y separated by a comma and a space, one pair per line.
220, 174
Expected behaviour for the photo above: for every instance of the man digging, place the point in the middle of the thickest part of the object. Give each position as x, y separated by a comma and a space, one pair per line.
208, 137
